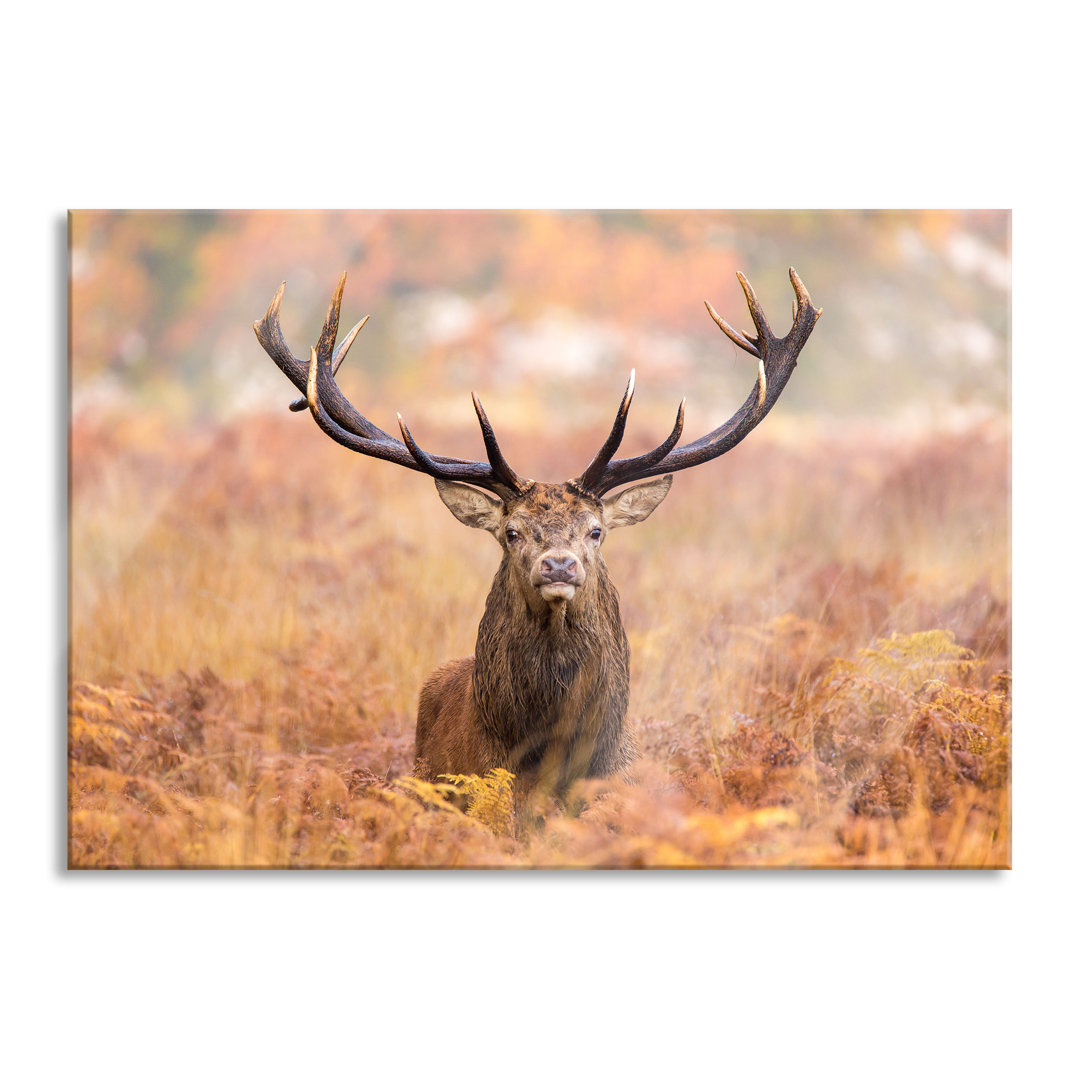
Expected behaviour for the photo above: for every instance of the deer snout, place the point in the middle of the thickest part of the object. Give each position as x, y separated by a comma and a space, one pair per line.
560, 567
558, 575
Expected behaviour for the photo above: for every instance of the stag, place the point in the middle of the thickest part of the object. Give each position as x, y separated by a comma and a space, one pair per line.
545, 694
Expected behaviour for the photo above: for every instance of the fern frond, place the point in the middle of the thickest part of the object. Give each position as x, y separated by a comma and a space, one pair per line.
490, 798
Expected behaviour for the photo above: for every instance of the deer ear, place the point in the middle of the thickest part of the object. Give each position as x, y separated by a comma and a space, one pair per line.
635, 503
471, 506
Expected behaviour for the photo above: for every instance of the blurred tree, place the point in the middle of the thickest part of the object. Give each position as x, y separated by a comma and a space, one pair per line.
917, 302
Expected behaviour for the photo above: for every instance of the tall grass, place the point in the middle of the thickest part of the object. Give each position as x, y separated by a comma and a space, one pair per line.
254, 610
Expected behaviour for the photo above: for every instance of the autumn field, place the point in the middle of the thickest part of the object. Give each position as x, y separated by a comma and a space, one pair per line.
819, 627
819, 621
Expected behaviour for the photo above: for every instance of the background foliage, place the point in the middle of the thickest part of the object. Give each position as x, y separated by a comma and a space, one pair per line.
253, 609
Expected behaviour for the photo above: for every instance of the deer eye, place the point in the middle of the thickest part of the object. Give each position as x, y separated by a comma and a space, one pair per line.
596, 533
512, 535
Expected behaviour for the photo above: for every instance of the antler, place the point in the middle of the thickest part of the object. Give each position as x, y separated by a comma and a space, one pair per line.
337, 417
776, 361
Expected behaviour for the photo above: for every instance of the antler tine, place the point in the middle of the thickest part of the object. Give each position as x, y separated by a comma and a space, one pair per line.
761, 324
300, 404
595, 470
731, 332
499, 465
329, 336
423, 458
330, 323
338, 418
632, 465
776, 361
505, 484
388, 449
268, 332
803, 303
665, 448
275, 306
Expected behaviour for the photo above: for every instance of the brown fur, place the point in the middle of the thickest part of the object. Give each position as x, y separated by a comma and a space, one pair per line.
546, 693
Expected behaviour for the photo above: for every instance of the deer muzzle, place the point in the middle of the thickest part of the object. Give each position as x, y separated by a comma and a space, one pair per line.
558, 575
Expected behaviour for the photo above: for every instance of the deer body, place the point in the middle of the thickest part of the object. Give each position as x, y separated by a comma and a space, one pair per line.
552, 690
545, 695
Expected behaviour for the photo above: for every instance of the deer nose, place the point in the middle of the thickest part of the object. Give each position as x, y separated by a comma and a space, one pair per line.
559, 568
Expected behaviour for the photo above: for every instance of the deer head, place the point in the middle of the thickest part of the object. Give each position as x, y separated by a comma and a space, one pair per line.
551, 533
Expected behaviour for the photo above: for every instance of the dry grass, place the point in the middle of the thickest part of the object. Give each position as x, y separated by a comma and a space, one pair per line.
819, 628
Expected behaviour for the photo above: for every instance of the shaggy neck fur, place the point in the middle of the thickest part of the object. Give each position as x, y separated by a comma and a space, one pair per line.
552, 686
